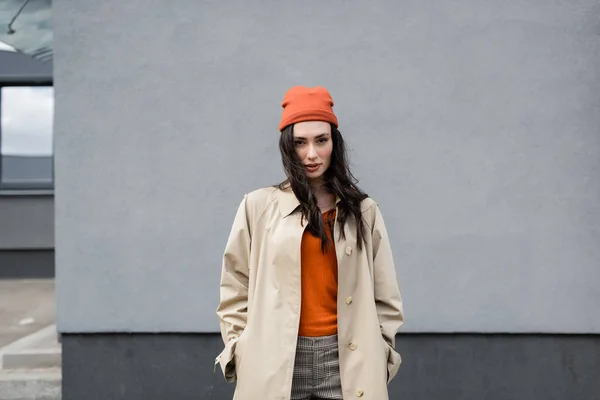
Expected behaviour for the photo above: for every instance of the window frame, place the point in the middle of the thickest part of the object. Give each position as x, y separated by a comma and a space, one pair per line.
25, 188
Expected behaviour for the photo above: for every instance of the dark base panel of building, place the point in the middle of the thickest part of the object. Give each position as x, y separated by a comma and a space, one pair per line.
26, 264
435, 366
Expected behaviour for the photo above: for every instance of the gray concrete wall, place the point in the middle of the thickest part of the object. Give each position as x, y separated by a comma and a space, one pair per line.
26, 222
473, 123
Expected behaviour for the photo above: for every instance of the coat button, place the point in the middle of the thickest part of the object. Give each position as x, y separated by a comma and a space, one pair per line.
359, 393
348, 250
348, 300
352, 346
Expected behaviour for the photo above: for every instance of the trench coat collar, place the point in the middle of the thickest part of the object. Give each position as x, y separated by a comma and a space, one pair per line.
288, 202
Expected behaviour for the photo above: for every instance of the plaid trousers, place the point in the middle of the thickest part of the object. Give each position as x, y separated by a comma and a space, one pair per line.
317, 369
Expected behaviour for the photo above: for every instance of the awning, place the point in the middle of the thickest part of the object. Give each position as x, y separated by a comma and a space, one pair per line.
16, 67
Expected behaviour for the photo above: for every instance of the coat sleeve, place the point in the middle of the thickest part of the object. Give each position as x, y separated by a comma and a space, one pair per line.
388, 299
233, 303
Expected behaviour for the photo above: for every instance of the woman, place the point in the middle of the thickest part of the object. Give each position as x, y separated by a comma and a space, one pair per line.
309, 304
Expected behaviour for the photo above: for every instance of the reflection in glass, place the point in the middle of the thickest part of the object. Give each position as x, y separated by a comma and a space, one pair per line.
31, 31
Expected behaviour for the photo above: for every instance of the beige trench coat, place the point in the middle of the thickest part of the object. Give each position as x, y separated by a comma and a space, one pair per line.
259, 307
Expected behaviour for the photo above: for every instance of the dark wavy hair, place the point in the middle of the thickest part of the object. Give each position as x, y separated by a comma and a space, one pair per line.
338, 181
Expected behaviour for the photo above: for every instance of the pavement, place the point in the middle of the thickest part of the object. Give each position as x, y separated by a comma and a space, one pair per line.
26, 306
30, 352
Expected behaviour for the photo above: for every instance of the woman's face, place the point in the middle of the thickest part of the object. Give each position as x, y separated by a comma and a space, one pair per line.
313, 143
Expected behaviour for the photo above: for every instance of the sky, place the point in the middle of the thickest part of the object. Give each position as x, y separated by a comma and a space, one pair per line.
7, 47
27, 120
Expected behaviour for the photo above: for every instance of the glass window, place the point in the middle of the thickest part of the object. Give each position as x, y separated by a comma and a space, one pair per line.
31, 30
26, 145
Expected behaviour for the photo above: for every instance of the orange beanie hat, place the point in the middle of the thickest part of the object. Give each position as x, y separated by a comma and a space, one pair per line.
307, 104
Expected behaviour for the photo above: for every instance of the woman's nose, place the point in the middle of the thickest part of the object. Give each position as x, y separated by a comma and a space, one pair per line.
312, 152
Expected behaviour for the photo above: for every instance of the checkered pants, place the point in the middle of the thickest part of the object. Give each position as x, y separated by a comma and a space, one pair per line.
317, 369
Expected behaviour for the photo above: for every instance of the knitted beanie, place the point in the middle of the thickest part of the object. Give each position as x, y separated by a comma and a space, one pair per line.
307, 104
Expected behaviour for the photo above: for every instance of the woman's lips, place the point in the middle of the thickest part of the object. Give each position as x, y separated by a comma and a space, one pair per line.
313, 168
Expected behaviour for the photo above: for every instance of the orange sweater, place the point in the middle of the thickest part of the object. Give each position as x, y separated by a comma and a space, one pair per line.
318, 313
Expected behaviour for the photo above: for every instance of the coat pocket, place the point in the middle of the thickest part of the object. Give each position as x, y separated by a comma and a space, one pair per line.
239, 350
227, 359
393, 360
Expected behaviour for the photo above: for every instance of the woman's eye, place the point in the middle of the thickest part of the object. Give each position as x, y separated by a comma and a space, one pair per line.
298, 143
